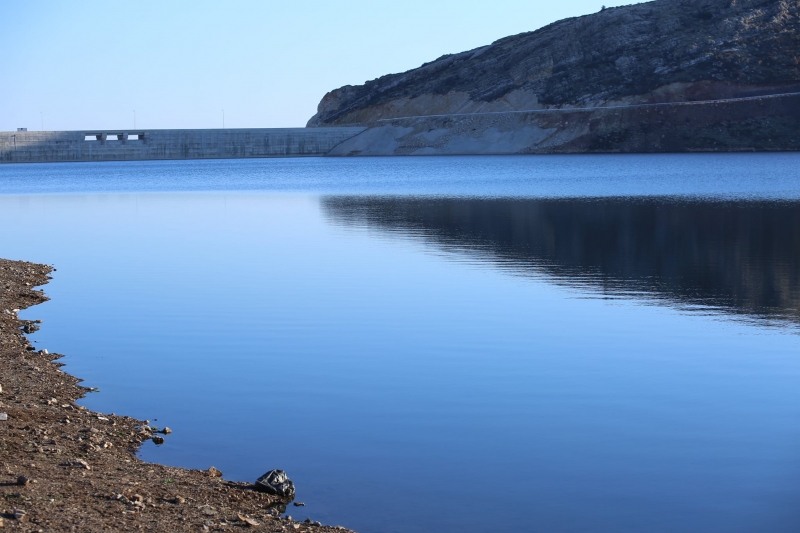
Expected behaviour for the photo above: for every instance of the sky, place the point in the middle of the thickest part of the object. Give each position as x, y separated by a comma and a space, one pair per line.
87, 64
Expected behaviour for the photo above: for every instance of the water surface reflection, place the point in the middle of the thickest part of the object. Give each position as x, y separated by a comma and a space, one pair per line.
737, 257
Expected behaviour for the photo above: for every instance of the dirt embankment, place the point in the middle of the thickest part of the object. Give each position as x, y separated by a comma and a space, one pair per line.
65, 468
758, 124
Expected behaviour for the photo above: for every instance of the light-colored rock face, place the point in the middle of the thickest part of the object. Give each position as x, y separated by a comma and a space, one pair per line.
661, 51
741, 124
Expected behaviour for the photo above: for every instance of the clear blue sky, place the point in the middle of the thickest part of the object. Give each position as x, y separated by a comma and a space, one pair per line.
89, 64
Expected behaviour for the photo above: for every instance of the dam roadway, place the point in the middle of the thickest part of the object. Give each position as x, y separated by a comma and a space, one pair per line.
134, 145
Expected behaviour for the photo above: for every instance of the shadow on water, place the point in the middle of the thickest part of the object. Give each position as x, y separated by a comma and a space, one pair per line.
740, 257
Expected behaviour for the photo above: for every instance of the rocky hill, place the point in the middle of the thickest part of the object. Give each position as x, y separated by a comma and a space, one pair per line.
661, 51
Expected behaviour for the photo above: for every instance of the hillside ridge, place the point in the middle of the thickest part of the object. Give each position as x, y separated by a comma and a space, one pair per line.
655, 52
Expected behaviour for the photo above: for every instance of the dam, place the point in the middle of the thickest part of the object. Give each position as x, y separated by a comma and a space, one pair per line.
132, 145
748, 124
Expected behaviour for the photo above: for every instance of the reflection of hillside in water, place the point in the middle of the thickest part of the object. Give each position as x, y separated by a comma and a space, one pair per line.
741, 256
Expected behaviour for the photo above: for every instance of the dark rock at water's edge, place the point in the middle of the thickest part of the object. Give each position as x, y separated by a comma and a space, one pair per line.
591, 83
276, 482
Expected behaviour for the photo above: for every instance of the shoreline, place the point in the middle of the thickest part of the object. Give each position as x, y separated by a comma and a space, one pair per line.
66, 468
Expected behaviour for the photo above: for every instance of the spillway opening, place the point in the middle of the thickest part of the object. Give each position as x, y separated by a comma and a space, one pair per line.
123, 137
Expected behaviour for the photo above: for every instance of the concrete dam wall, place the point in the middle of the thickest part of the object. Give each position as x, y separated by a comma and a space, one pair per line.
132, 145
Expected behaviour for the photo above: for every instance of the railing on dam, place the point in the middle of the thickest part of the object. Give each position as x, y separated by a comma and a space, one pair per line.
132, 145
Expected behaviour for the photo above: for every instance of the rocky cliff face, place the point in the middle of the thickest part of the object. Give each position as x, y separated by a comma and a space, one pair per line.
661, 51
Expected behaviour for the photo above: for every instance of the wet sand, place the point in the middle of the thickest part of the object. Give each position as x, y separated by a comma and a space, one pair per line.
65, 468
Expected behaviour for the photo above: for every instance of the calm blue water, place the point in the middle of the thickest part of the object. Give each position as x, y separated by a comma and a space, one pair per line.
555, 344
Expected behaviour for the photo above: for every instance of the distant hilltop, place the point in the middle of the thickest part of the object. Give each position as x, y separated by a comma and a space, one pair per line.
657, 52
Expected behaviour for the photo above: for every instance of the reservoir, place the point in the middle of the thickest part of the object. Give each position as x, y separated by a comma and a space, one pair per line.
453, 344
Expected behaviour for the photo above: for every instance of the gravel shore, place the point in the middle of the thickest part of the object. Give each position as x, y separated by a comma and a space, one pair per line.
65, 468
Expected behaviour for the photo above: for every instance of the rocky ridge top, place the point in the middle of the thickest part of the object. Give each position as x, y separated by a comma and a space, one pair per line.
660, 51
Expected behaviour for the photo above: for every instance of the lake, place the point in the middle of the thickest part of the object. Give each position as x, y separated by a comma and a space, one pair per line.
464, 344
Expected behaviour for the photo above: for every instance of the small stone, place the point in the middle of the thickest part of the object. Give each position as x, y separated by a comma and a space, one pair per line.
179, 500
19, 514
158, 440
214, 472
289, 518
22, 480
3, 416
307, 520
1, 388
77, 463
166, 431
247, 520
299, 504
318, 524
208, 511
